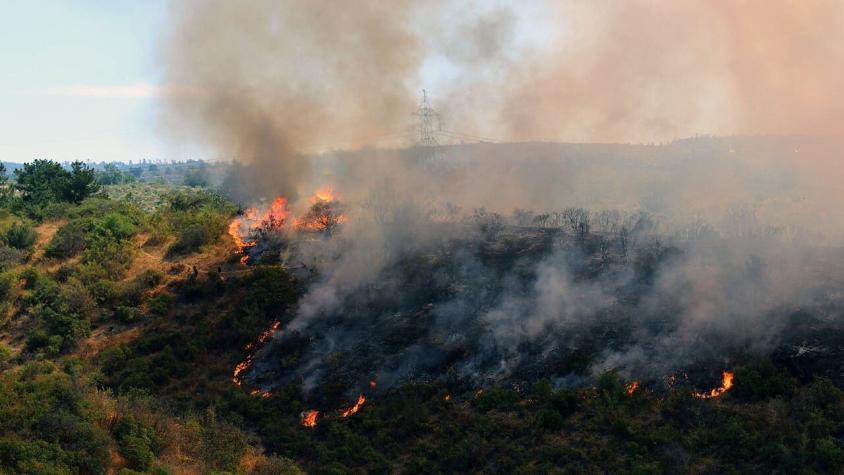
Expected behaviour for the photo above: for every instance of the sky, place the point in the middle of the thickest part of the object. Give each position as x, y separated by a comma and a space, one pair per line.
78, 79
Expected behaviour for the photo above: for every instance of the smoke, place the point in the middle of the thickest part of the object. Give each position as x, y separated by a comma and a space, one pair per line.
645, 71
421, 280
277, 79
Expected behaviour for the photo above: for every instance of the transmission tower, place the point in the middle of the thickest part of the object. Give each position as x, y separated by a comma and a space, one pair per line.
425, 116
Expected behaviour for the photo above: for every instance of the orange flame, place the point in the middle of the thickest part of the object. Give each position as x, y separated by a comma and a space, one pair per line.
323, 193
447, 397
324, 214
631, 388
273, 217
247, 362
309, 418
354, 409
260, 392
726, 384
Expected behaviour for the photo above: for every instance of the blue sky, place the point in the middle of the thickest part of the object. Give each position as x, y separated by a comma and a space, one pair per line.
77, 79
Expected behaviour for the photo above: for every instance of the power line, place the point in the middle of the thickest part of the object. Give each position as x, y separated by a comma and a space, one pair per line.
425, 115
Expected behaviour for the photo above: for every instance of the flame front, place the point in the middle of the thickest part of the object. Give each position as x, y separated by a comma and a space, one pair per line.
354, 409
309, 418
247, 362
253, 219
631, 388
323, 215
726, 384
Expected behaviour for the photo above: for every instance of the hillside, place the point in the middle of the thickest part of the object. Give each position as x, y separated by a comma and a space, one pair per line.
148, 340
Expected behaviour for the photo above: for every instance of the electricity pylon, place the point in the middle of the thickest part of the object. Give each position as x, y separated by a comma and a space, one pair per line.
425, 115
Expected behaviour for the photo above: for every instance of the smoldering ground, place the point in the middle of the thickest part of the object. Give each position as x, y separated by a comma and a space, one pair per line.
408, 289
411, 291
472, 306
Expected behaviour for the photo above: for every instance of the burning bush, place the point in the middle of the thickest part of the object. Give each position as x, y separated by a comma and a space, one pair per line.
323, 216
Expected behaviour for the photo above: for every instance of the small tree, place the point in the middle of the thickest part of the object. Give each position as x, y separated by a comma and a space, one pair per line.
111, 174
80, 183
5, 188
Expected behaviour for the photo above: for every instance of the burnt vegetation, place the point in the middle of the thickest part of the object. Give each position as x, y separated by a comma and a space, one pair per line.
472, 341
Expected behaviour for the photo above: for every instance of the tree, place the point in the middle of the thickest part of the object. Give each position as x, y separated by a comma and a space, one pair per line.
81, 183
577, 220
522, 217
5, 189
196, 176
111, 174
41, 181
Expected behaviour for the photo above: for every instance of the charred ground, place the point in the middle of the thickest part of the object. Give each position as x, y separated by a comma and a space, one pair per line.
124, 326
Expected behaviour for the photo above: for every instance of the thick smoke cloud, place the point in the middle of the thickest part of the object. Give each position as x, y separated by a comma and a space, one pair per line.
268, 82
275, 79
744, 224
644, 71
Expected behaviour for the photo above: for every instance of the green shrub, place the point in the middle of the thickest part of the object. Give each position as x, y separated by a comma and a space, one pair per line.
128, 314
277, 466
159, 305
151, 277
195, 199
55, 210
115, 226
106, 258
63, 312
137, 443
5, 356
190, 239
69, 240
10, 257
97, 207
21, 236
550, 419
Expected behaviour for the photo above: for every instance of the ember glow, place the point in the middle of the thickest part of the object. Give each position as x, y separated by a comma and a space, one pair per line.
726, 384
324, 193
354, 409
309, 418
237, 377
631, 388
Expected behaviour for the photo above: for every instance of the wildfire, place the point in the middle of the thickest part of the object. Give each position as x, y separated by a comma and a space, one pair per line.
263, 337
247, 362
354, 409
674, 379
323, 193
253, 219
631, 388
324, 215
726, 384
309, 418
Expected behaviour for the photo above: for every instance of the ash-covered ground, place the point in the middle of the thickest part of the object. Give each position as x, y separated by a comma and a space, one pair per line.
487, 300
